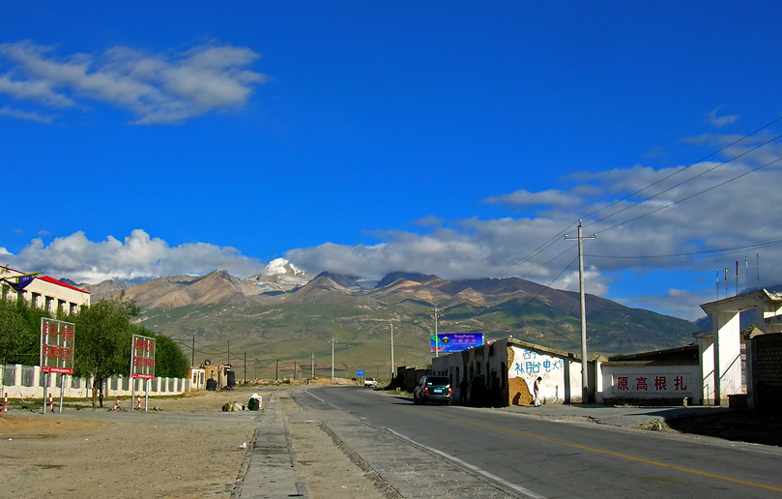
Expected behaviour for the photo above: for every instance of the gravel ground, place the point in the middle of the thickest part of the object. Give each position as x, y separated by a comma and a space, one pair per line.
182, 447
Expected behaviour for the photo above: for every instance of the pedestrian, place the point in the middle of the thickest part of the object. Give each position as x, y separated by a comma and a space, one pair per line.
536, 389
464, 386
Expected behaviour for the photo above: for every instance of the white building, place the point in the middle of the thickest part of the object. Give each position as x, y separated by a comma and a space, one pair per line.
42, 291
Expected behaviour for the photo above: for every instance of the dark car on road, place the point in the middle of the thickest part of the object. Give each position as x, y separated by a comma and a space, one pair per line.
434, 389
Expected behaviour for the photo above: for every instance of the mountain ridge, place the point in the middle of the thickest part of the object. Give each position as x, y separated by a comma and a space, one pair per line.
290, 322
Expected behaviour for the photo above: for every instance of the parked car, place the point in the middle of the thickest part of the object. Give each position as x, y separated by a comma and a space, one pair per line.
370, 383
433, 388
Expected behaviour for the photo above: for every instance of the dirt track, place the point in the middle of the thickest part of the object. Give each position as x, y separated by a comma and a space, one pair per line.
186, 449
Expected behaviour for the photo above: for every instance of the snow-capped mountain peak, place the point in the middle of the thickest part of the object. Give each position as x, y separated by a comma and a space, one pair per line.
282, 266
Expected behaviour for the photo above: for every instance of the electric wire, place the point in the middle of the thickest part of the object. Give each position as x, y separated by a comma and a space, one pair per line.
682, 183
693, 195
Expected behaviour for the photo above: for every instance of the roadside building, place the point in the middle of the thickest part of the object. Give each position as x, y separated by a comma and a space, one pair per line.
42, 291
722, 370
660, 377
503, 372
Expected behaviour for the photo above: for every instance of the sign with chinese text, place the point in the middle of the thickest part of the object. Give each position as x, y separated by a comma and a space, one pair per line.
657, 384
142, 357
56, 346
448, 343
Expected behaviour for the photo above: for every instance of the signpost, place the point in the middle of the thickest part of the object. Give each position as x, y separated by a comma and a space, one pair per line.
142, 365
57, 339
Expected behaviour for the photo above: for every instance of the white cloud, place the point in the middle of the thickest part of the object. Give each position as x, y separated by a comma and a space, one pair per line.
523, 197
24, 115
678, 224
157, 88
721, 121
137, 258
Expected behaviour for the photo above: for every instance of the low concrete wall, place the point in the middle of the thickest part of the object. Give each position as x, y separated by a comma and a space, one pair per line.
27, 382
652, 384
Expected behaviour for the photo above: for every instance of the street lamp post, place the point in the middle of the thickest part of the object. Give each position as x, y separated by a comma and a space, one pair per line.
393, 366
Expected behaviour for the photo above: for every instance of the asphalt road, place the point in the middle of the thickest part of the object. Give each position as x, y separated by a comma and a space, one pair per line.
439, 451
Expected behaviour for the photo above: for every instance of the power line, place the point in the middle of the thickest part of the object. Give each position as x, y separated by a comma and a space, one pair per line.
682, 183
761, 244
692, 195
686, 168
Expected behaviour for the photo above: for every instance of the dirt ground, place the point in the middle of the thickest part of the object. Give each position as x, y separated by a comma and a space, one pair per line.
181, 448
741, 426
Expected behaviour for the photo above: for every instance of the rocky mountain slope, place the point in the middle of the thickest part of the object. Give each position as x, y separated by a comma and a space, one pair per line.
300, 315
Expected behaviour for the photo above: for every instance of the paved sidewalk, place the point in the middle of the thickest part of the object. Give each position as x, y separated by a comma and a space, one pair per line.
272, 471
623, 416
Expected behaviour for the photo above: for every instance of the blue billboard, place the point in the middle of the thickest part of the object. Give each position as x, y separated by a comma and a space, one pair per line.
448, 343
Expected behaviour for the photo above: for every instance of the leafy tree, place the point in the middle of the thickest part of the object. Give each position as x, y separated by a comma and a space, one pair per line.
170, 361
20, 326
102, 343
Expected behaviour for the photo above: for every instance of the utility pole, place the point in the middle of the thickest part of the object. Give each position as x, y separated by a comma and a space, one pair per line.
436, 339
229, 352
294, 369
245, 367
393, 367
584, 363
192, 354
312, 365
332, 358
277, 370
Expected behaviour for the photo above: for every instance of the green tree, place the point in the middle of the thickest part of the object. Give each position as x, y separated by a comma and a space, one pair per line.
102, 343
170, 361
20, 327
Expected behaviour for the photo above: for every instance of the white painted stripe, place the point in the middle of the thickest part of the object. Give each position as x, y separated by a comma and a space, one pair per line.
471, 467
325, 402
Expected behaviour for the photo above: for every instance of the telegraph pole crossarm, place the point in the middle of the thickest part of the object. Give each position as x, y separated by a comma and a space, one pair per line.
584, 363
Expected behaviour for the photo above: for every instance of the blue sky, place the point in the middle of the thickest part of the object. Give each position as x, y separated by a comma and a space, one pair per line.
451, 138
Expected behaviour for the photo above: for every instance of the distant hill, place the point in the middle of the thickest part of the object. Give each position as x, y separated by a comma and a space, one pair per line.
224, 317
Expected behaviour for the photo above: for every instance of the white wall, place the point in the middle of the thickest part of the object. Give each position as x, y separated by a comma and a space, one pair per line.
561, 377
650, 382
27, 382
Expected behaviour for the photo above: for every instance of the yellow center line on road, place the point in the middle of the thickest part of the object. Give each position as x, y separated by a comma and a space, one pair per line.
610, 453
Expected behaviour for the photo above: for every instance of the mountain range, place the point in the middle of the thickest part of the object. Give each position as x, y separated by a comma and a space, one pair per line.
284, 316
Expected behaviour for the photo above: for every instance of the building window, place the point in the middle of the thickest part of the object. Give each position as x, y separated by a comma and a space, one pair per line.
74, 308
48, 304
34, 302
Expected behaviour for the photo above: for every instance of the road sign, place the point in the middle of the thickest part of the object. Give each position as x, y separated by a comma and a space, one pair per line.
142, 362
56, 346
360, 372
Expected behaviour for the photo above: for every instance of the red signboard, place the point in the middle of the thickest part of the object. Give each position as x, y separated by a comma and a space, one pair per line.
56, 346
142, 357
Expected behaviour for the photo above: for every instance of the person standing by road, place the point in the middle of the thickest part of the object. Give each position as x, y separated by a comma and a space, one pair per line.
536, 390
464, 386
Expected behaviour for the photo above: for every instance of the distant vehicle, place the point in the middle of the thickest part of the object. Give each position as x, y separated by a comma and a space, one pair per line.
433, 388
370, 383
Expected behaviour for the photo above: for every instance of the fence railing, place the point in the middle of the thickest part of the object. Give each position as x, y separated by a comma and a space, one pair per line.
28, 381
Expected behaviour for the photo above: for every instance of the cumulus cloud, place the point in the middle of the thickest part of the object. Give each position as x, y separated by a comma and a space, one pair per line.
24, 115
523, 197
137, 258
157, 88
694, 218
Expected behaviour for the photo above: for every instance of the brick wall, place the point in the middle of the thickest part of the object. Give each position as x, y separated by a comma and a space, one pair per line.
767, 371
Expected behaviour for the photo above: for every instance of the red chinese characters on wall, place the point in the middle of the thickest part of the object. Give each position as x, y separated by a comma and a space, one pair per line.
651, 384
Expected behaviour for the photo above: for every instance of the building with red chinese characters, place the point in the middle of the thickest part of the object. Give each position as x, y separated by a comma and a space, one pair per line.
661, 377
42, 291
